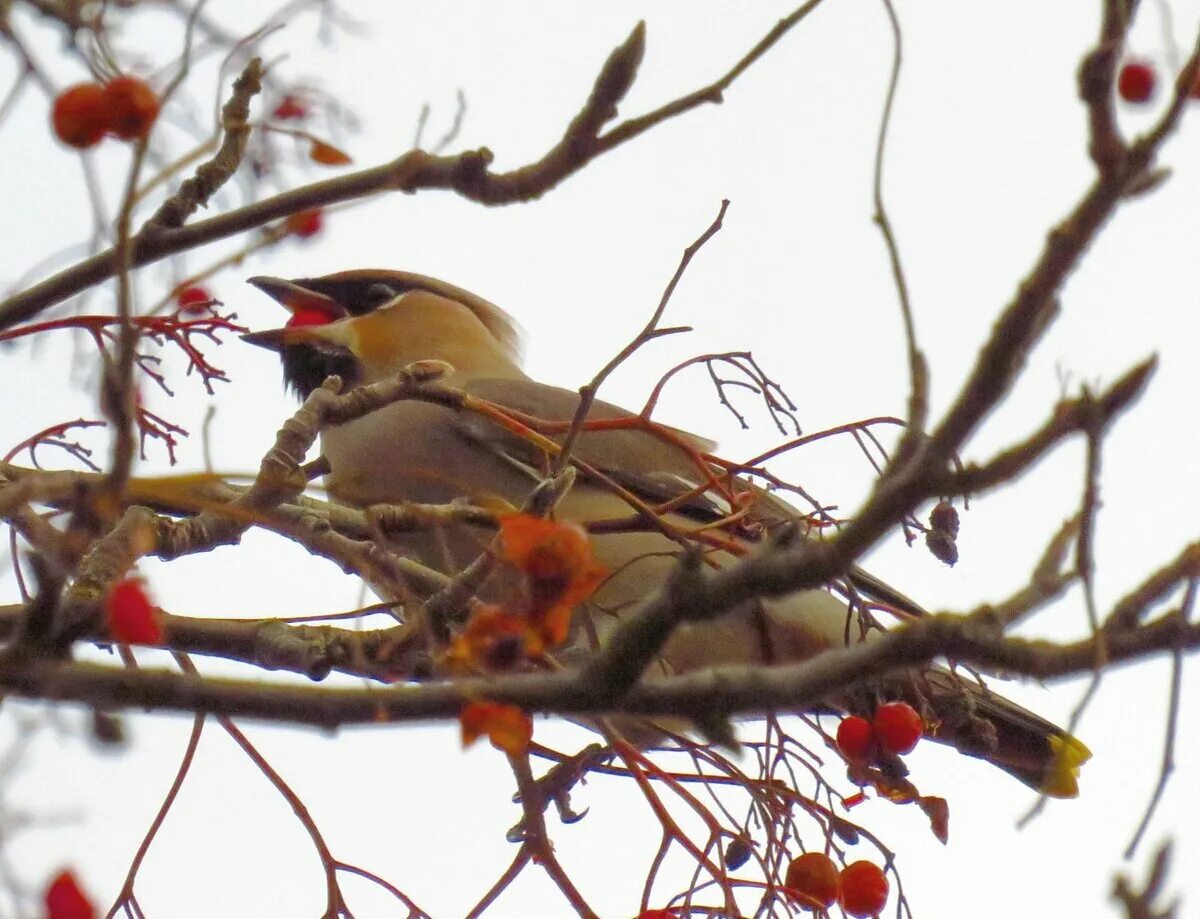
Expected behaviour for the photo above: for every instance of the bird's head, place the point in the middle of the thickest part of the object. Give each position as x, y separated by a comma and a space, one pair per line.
368, 324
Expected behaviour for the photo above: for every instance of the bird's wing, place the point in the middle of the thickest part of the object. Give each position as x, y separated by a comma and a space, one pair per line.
654, 468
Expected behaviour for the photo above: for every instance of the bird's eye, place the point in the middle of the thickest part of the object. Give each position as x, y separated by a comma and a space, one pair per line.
378, 294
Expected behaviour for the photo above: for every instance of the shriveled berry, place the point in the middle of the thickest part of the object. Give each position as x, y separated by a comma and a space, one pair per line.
944, 517
737, 853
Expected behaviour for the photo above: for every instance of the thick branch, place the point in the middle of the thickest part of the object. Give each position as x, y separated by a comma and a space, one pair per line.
728, 691
466, 173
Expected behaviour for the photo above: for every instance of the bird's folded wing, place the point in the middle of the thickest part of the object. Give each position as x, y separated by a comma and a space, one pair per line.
648, 465
651, 467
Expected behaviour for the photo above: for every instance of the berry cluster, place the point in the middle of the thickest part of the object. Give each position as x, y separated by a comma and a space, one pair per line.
814, 882
895, 729
124, 107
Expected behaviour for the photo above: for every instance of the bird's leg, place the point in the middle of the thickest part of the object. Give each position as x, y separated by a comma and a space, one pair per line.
555, 786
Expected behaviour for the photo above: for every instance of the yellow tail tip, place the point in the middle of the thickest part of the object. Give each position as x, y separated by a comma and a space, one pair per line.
1068, 754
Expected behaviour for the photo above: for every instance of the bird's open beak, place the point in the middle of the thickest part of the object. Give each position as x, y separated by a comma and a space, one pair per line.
292, 297
271, 339
295, 299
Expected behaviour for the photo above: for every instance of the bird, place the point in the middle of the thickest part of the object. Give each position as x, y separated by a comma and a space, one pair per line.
367, 325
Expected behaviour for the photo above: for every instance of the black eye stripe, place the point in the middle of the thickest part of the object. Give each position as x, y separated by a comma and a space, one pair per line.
379, 294
361, 295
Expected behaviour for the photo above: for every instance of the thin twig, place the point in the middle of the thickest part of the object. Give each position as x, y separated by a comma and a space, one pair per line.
1168, 757
587, 392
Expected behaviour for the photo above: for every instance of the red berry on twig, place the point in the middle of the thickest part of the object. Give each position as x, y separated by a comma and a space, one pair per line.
815, 876
193, 299
80, 115
132, 107
1136, 82
898, 727
855, 737
864, 890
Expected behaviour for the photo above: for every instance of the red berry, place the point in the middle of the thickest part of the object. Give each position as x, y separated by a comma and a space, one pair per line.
193, 299
309, 315
80, 115
864, 890
815, 877
898, 727
65, 899
855, 738
132, 618
132, 107
290, 109
1136, 82
305, 224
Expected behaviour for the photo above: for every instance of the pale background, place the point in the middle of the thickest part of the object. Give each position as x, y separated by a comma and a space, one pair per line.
987, 151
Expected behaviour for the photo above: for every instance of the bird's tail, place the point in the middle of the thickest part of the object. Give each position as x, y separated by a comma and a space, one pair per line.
980, 723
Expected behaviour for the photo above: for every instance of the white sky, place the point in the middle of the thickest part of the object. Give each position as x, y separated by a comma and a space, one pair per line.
987, 151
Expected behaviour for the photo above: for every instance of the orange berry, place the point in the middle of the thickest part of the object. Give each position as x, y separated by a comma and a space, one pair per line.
305, 224
132, 107
193, 299
65, 899
898, 727
864, 890
131, 617
855, 738
80, 115
814, 876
